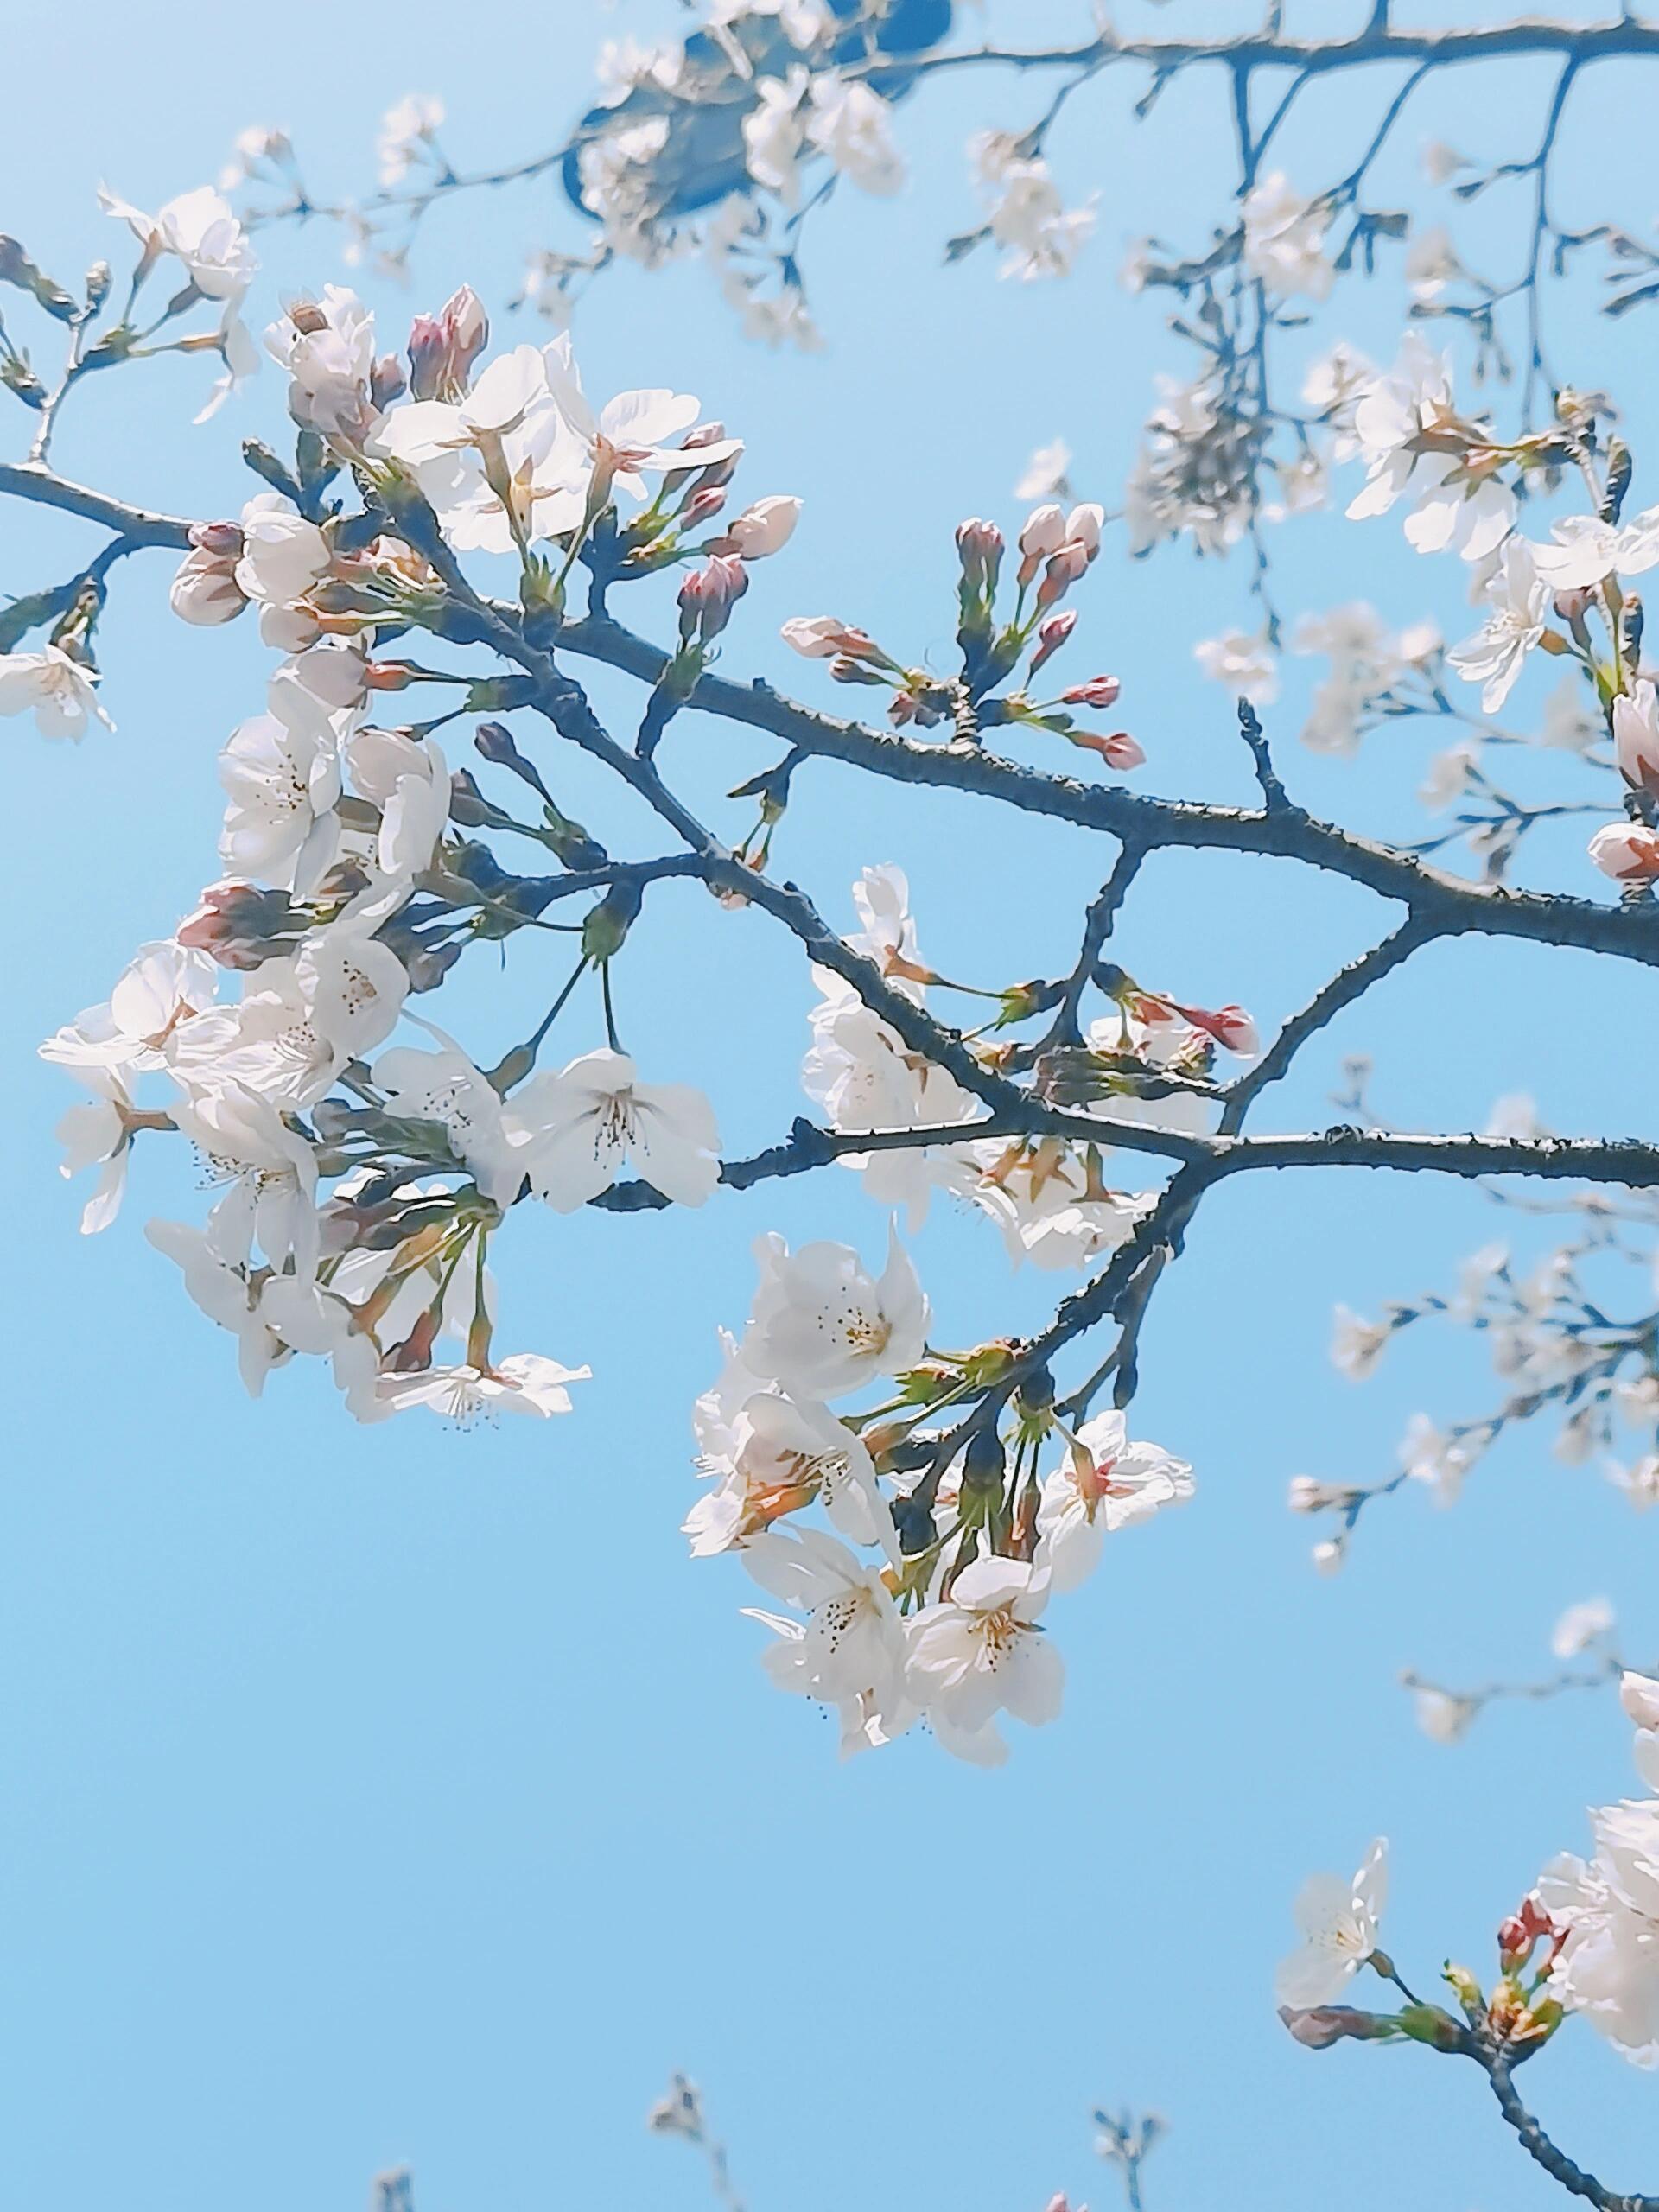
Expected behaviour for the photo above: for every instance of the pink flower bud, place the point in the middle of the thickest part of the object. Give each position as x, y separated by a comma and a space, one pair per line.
466, 326
1628, 851
1574, 606
444, 348
239, 924
1063, 571
1052, 633
222, 540
1513, 1943
426, 357
1324, 2025
979, 547
1098, 691
706, 434
708, 594
386, 380
1045, 532
1230, 1026
765, 527
1083, 524
205, 590
1636, 739
1119, 750
701, 506
821, 636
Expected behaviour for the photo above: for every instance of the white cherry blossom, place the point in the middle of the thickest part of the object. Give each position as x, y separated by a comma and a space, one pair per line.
578, 1128
1284, 235
221, 1288
283, 555
1110, 1483
523, 1382
445, 1088
60, 692
201, 229
1519, 601
281, 771
851, 1646
270, 1171
822, 1325
1338, 1922
982, 1650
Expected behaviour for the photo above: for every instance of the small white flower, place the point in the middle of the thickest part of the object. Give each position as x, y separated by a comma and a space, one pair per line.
981, 1651
1519, 599
1046, 474
1283, 238
58, 691
201, 229
577, 1129
1580, 1626
1338, 1922
1356, 1343
1243, 662
524, 1382
1443, 1716
822, 1326
407, 131
851, 123
1112, 1484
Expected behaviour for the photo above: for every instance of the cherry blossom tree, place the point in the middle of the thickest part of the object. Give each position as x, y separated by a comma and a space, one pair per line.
434, 562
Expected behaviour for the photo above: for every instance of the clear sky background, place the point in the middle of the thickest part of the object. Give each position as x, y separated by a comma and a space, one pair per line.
384, 1795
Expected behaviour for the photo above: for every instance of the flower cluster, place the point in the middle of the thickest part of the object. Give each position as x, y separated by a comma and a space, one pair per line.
362, 1161
1585, 1942
1146, 1062
1558, 1343
927, 1602
1056, 547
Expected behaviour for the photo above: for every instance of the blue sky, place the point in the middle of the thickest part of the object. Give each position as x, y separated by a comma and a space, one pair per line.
386, 1795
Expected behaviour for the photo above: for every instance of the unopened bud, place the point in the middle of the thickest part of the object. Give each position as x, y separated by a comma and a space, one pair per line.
1061, 572
386, 380
1052, 633
1098, 691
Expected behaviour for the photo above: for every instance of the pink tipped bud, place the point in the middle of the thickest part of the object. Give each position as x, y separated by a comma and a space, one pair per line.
1230, 1026
467, 327
701, 506
386, 380
1063, 571
821, 636
1119, 750
1636, 739
442, 347
205, 590
1084, 525
706, 434
1098, 691
979, 547
1052, 633
765, 527
426, 355
388, 675
1574, 606
1628, 851
1514, 1944
708, 594
240, 925
223, 540
1044, 533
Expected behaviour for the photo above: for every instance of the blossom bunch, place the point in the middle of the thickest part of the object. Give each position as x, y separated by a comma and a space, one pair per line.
923, 1600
